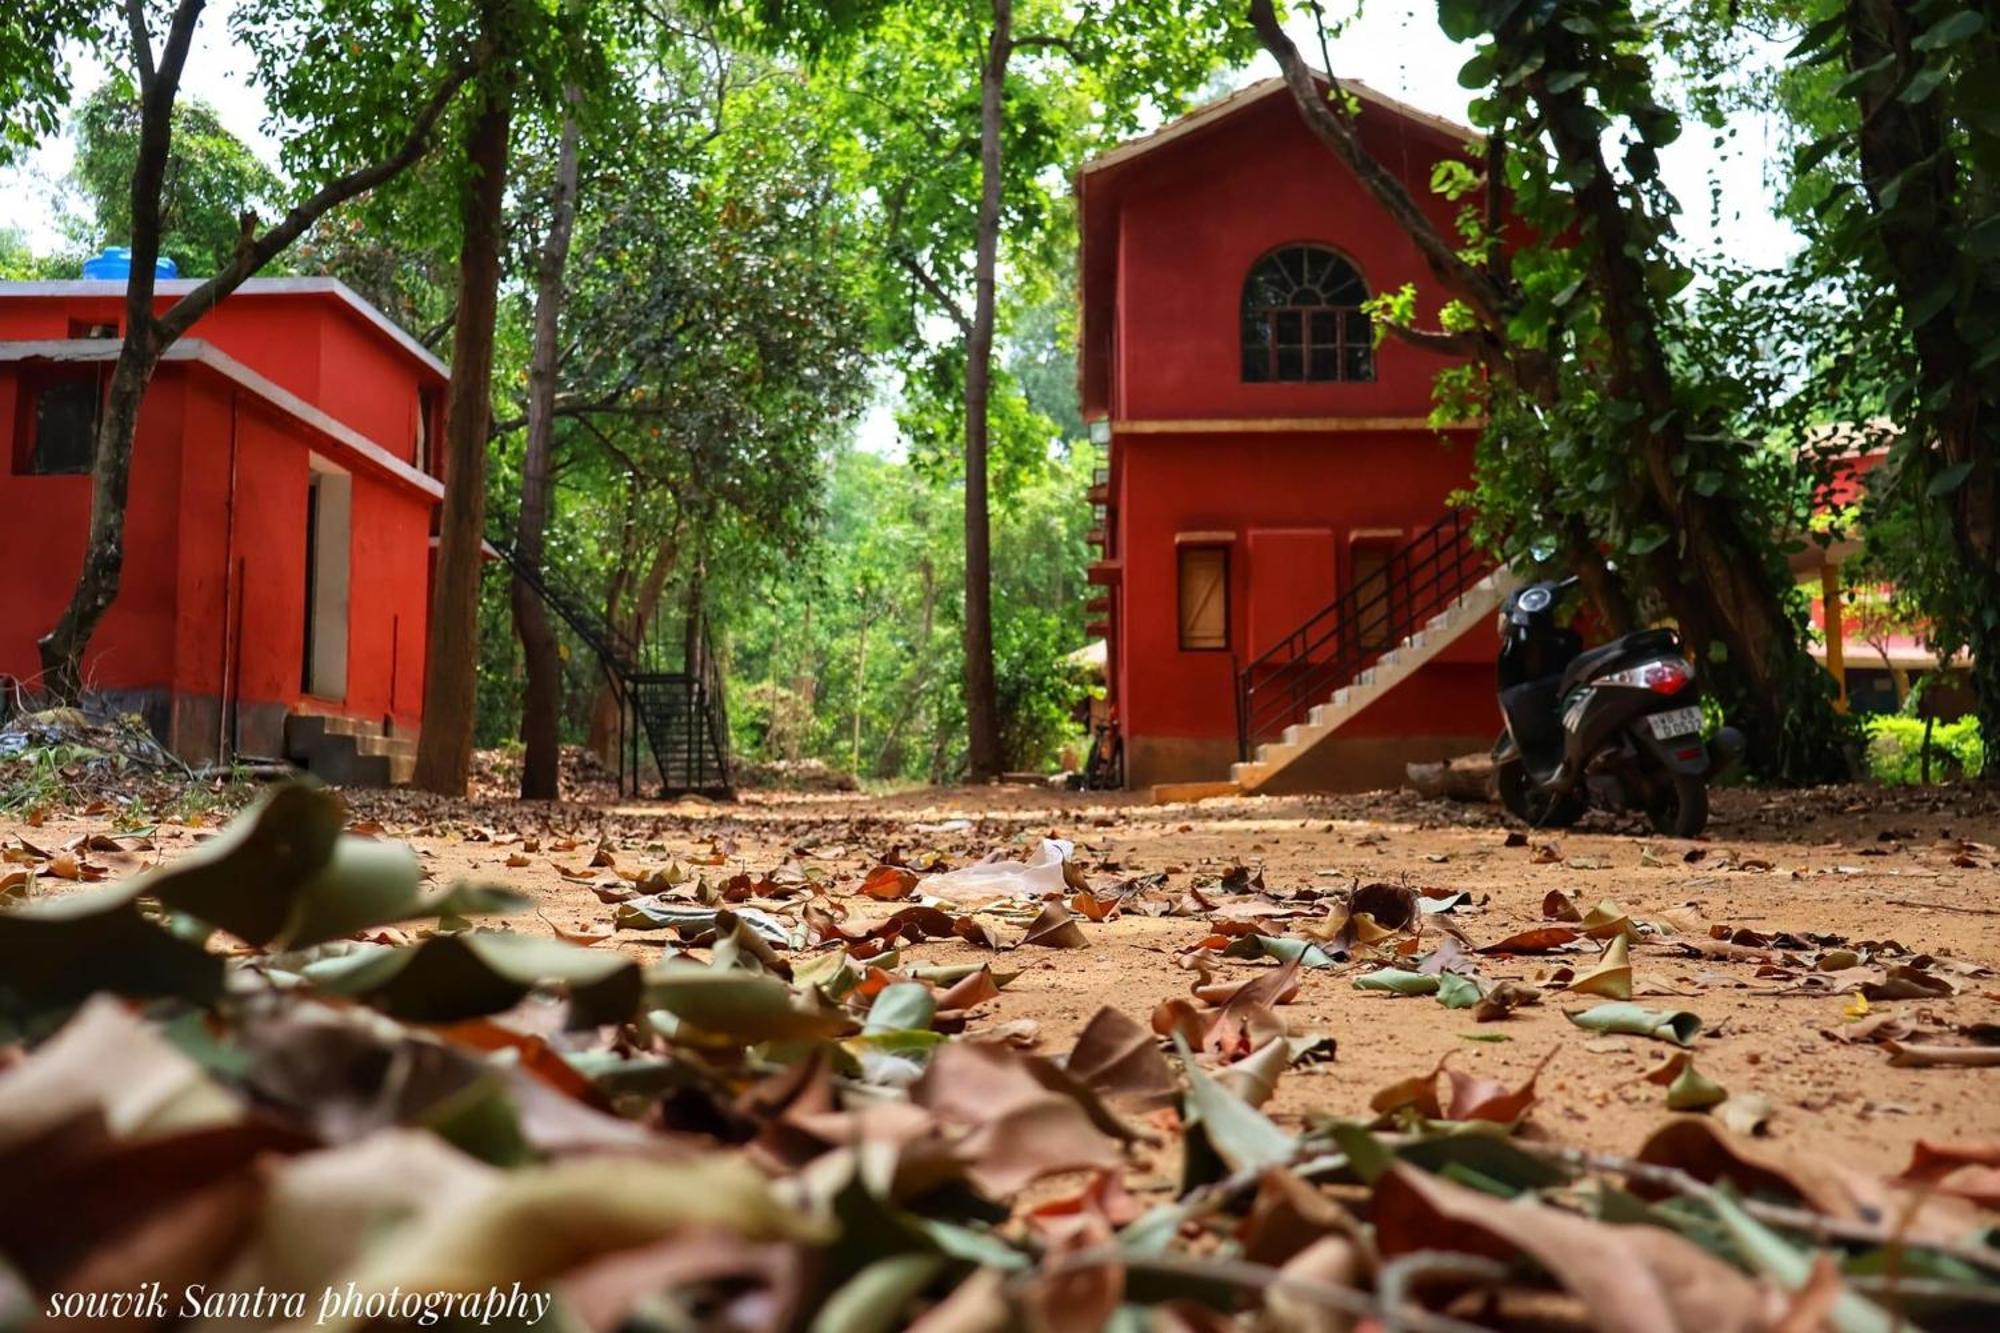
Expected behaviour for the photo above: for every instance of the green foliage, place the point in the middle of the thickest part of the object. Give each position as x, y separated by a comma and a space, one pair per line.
888, 559
211, 179
19, 263
1635, 422
36, 37
1895, 749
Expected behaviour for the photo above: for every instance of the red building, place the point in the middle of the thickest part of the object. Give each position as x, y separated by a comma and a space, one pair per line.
1282, 579
275, 593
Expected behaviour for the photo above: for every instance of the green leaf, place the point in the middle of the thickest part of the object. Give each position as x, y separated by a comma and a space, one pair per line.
449, 978
1457, 992
1240, 1134
283, 875
1818, 36
1693, 1091
1398, 981
743, 1006
55, 951
1949, 480
1922, 84
875, 1299
1647, 540
1764, 1251
1284, 948
1950, 31
907, 1006
1677, 1025
1461, 20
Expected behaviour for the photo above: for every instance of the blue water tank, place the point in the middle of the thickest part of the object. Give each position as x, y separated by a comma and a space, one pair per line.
116, 264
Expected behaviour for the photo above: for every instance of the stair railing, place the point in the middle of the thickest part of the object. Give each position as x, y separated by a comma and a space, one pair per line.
1336, 643
636, 668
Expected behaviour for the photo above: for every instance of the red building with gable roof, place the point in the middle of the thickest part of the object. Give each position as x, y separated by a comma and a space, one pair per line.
1282, 579
275, 595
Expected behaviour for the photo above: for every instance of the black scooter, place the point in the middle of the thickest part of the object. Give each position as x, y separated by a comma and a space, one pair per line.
1618, 726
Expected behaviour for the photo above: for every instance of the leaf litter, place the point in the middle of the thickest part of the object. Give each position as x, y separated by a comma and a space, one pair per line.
742, 1103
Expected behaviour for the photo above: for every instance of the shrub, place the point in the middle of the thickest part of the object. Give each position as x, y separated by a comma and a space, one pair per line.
1895, 749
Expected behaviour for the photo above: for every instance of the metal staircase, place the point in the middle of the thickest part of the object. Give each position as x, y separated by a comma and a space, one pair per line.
1355, 649
680, 712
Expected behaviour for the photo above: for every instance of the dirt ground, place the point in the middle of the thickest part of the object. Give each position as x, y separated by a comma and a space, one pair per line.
1918, 868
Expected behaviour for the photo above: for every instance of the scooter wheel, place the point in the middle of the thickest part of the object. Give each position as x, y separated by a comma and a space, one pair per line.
1680, 806
1531, 804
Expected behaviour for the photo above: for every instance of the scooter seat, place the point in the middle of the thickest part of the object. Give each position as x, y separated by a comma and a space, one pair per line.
1645, 643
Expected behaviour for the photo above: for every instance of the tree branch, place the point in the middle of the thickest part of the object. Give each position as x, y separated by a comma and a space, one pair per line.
1488, 299
142, 44
1067, 45
1436, 340
937, 292
251, 257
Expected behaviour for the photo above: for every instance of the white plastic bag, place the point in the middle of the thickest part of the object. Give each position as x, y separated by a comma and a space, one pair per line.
1040, 874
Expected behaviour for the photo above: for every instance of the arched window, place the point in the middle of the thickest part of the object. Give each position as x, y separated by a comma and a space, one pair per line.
1302, 318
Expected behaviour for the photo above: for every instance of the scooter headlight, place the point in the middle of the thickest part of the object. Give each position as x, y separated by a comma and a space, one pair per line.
1665, 676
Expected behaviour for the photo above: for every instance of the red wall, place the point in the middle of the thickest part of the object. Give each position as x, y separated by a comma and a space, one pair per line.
1180, 226
311, 343
43, 525
208, 578
1311, 492
388, 610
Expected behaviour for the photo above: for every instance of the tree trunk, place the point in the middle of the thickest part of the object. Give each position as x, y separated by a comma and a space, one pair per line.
1911, 170
982, 699
541, 694
603, 737
1716, 577
444, 749
889, 758
147, 336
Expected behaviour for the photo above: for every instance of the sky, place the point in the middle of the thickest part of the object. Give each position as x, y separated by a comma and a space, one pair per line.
1393, 45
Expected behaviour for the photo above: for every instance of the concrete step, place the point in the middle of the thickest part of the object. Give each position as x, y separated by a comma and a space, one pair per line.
1384, 674
349, 752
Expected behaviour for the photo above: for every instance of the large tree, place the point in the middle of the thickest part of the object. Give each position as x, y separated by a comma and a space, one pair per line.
709, 341
211, 178
963, 109
1918, 130
396, 139
1591, 431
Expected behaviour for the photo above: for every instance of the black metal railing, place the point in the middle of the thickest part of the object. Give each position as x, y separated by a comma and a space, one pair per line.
1303, 669
667, 684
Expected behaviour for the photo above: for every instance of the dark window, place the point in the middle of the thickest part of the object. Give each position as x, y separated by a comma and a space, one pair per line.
1302, 318
61, 421
1204, 589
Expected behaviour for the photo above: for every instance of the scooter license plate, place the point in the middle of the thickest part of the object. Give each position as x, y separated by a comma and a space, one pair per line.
1676, 722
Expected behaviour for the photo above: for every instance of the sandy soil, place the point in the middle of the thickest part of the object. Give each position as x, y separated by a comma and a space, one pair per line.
1867, 865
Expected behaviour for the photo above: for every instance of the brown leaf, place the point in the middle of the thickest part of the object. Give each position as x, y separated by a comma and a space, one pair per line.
1631, 1279
1021, 1130
1904, 1056
1474, 1098
1969, 1170
1540, 939
887, 883
1055, 928
1502, 999
1121, 1062
1392, 906
1418, 1092
973, 989
1089, 905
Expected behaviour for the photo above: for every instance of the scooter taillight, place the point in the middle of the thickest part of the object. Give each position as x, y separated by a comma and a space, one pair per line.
1664, 677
